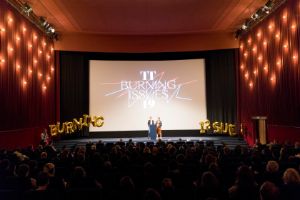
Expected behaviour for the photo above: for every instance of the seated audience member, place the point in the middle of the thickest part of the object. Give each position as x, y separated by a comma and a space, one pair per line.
80, 180
43, 159
42, 181
4, 172
127, 188
208, 187
50, 149
291, 187
21, 181
41, 191
54, 182
269, 191
245, 187
34, 168
151, 194
167, 189
272, 173
296, 148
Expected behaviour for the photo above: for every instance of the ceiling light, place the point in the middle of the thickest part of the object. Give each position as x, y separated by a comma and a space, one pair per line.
259, 15
255, 16
266, 9
244, 27
27, 8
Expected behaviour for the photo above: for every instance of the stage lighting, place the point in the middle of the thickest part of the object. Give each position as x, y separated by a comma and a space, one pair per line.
255, 16
259, 15
27, 8
269, 4
43, 21
266, 9
48, 28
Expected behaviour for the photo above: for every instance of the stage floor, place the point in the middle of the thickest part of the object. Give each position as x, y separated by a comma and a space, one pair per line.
231, 142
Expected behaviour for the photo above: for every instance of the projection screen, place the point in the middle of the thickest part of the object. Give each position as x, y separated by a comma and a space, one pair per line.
127, 93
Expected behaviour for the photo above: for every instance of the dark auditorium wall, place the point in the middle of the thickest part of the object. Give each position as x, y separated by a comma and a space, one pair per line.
269, 74
89, 42
27, 80
220, 80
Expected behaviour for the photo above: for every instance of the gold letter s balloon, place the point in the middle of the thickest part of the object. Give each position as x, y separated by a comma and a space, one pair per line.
217, 127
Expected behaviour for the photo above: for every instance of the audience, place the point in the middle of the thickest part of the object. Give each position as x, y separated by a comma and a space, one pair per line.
245, 186
269, 191
291, 187
42, 182
55, 182
127, 189
272, 173
168, 191
162, 170
208, 187
21, 181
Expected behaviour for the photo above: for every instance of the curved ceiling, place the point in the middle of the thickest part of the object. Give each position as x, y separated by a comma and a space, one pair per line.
145, 17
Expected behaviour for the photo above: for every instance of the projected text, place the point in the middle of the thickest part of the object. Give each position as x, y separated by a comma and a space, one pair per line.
151, 86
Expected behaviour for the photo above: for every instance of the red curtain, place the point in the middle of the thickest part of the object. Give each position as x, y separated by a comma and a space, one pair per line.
27, 79
269, 73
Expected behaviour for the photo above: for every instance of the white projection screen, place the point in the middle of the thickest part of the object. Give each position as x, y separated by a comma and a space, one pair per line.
127, 93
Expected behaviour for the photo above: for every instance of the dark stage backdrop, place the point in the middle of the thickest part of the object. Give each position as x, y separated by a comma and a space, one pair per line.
220, 80
74, 86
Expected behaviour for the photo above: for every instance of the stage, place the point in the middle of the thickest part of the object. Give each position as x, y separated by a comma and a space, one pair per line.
231, 142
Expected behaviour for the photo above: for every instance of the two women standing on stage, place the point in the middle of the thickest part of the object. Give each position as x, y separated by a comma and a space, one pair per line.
154, 128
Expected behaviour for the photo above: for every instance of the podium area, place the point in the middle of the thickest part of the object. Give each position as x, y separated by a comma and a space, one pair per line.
260, 129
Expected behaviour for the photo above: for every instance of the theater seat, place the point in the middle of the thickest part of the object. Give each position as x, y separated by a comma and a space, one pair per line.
44, 195
84, 193
10, 195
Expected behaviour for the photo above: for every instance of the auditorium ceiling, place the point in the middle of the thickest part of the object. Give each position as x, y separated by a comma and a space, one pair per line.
145, 17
